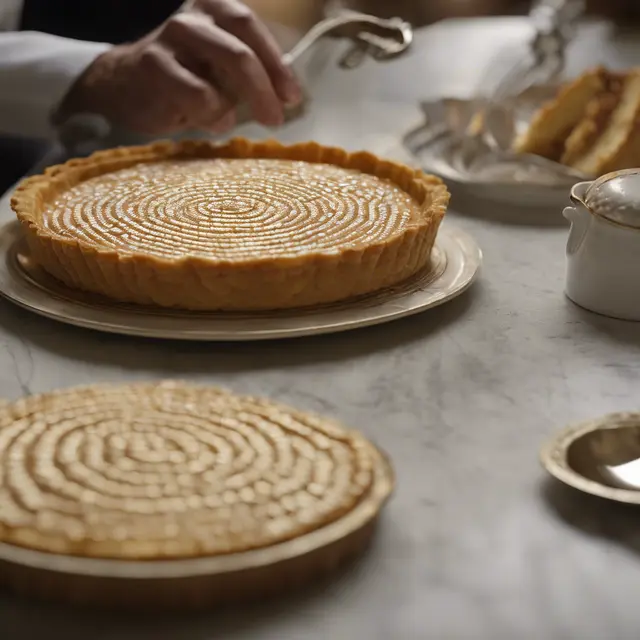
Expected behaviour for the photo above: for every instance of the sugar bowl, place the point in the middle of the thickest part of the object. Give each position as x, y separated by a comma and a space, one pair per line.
603, 249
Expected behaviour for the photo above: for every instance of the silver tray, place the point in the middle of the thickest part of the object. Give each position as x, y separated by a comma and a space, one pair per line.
455, 263
485, 166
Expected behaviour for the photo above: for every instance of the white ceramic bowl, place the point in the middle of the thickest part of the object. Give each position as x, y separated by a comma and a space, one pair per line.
603, 249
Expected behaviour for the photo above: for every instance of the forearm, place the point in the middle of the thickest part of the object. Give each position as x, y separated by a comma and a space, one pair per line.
36, 72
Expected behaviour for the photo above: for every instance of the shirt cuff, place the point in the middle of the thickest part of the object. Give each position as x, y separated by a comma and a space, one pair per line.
36, 72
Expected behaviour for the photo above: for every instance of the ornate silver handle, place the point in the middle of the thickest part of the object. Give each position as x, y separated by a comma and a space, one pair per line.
554, 24
385, 39
556, 12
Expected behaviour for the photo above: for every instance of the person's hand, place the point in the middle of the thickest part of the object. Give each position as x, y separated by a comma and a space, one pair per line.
189, 74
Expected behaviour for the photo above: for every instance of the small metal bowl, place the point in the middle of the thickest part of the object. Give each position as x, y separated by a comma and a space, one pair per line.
600, 457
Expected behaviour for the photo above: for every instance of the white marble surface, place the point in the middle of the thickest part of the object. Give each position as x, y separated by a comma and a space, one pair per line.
476, 544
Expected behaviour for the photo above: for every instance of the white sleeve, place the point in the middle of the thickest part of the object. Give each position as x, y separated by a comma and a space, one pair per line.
36, 71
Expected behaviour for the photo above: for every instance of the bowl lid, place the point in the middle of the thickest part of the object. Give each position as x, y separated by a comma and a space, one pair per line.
616, 197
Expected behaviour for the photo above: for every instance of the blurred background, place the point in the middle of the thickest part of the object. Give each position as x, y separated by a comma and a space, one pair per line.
17, 155
302, 13
426, 11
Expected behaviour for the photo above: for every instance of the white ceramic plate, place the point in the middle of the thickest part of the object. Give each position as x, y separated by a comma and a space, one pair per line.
455, 263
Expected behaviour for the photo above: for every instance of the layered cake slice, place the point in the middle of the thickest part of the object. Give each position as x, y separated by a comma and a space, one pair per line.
612, 132
556, 120
593, 125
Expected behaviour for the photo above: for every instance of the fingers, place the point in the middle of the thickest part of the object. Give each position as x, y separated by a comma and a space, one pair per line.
186, 98
220, 120
200, 106
238, 20
233, 65
191, 72
222, 124
241, 73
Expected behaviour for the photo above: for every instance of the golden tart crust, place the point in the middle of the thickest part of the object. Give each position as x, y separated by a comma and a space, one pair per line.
168, 470
240, 226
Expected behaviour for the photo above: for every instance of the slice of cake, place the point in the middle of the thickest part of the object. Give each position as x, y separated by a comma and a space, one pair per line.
595, 120
609, 139
555, 121
592, 126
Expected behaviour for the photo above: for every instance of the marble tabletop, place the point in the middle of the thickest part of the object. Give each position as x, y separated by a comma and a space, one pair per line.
477, 544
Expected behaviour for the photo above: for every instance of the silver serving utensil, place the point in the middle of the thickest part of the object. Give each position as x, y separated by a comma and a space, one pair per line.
543, 61
383, 39
476, 160
380, 39
554, 26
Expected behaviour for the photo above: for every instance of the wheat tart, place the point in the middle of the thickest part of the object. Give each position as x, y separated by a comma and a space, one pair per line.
240, 226
169, 484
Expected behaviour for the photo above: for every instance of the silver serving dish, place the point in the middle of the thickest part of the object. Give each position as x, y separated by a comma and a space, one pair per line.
469, 142
484, 164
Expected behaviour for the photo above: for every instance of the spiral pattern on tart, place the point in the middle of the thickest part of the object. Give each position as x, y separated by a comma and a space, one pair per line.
240, 227
161, 470
239, 209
